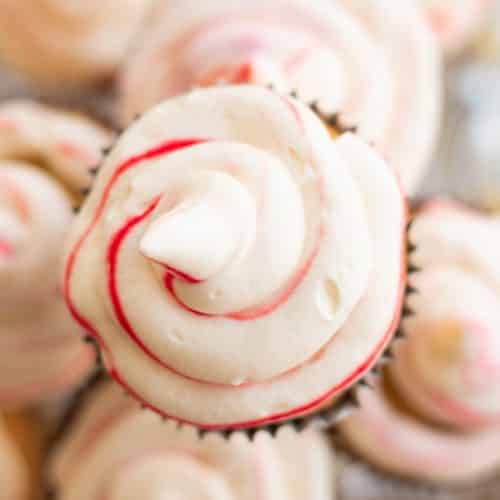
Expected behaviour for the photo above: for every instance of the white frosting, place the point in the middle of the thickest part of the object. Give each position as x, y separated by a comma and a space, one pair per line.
296, 287
456, 21
450, 367
15, 482
68, 40
45, 157
374, 61
116, 451
401, 444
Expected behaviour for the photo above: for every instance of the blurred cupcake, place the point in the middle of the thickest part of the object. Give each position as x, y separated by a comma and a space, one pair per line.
15, 477
375, 62
75, 42
114, 450
237, 266
438, 415
455, 22
46, 158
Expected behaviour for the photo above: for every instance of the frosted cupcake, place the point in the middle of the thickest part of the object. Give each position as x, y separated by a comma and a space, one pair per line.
59, 41
375, 62
237, 266
114, 450
46, 158
440, 419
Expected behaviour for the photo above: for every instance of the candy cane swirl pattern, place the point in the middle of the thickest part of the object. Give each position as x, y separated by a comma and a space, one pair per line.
77, 42
374, 62
45, 157
450, 367
232, 252
116, 451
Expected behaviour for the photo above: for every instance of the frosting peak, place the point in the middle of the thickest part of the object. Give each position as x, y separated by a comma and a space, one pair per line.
212, 219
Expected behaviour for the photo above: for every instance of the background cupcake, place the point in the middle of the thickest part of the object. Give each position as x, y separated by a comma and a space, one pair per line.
375, 62
436, 415
114, 450
66, 42
46, 158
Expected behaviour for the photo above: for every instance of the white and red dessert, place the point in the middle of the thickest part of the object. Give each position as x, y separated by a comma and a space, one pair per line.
237, 265
447, 373
375, 62
75, 42
46, 158
115, 451
15, 483
455, 22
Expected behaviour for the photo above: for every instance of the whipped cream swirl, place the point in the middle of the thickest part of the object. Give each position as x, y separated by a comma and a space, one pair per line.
45, 159
373, 61
235, 263
118, 452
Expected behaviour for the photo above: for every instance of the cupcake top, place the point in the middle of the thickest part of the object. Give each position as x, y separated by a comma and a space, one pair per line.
116, 451
55, 41
375, 62
236, 264
15, 483
45, 159
456, 21
398, 442
450, 366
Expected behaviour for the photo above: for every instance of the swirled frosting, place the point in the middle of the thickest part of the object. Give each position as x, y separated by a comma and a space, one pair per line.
450, 367
456, 21
15, 482
45, 158
447, 370
373, 61
115, 451
402, 444
56, 41
236, 264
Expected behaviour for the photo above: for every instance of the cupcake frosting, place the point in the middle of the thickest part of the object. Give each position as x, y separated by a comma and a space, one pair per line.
68, 41
456, 21
45, 159
350, 57
450, 366
15, 483
116, 451
236, 264
402, 444
439, 400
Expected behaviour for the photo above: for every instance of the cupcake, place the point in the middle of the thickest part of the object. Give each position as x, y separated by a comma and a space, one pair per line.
437, 415
46, 158
75, 42
455, 22
15, 484
375, 62
114, 450
238, 266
